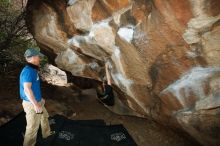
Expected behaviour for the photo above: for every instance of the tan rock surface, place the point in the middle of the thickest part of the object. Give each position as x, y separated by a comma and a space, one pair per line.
164, 55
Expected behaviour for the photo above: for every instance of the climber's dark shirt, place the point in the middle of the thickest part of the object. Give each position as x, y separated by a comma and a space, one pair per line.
108, 96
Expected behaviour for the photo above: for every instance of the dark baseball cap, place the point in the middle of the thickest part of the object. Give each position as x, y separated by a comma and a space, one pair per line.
32, 52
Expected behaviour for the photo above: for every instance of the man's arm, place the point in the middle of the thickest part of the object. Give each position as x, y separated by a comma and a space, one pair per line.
29, 93
108, 76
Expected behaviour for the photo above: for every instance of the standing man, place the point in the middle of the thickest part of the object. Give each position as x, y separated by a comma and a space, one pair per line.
33, 103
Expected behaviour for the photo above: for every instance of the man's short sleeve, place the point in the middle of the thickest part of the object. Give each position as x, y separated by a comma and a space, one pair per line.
27, 76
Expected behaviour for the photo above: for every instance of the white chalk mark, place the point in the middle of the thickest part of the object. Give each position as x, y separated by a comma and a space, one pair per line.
126, 33
192, 81
117, 52
72, 2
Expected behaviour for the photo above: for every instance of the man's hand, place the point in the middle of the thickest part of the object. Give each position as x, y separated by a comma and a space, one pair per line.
108, 65
38, 108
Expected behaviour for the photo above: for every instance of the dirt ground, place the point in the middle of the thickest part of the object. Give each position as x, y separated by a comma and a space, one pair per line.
64, 101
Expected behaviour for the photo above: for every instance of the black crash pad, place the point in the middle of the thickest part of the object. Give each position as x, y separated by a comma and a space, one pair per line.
68, 133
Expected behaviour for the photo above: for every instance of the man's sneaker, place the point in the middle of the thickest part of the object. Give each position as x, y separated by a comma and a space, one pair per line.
52, 132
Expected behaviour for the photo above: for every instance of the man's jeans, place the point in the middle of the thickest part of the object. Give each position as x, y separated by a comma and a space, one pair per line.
33, 123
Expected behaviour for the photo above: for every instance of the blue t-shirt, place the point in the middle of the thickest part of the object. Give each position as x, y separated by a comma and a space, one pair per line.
30, 75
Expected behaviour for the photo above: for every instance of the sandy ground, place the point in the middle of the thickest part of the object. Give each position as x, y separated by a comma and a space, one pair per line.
61, 100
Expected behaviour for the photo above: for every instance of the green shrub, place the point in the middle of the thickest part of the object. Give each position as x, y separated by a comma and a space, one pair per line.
14, 35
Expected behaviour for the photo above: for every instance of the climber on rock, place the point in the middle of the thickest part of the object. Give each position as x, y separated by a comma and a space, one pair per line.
33, 103
109, 98
105, 91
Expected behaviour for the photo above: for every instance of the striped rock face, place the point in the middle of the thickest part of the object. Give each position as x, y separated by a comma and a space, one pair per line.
163, 55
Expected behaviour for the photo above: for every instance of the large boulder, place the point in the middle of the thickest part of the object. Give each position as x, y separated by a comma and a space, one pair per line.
164, 55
